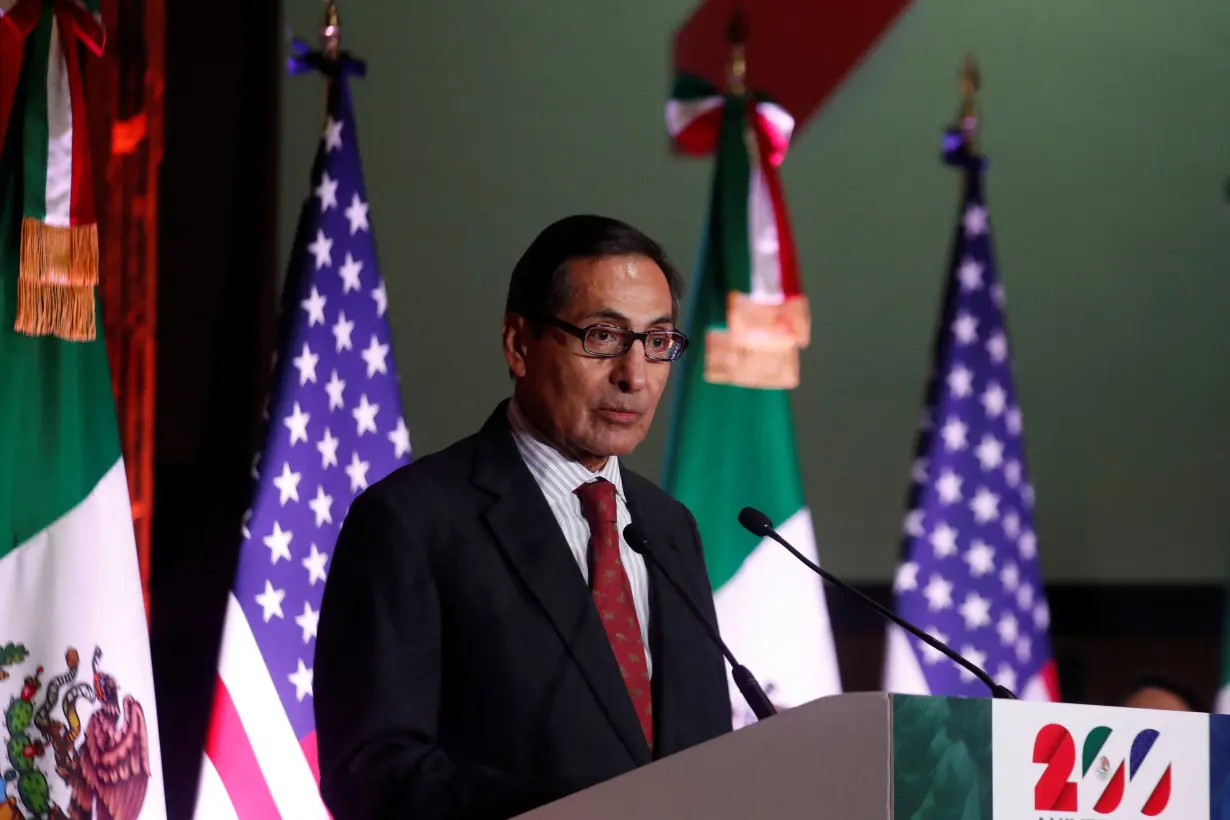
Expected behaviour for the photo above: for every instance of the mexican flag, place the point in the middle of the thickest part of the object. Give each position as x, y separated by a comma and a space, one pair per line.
732, 437
80, 729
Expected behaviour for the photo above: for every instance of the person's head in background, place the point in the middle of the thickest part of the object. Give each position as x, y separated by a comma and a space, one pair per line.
1158, 692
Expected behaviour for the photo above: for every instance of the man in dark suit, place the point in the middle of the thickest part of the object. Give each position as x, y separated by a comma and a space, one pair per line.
487, 641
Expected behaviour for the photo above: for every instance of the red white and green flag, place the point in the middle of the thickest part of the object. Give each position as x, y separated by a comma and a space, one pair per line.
732, 440
80, 727
59, 233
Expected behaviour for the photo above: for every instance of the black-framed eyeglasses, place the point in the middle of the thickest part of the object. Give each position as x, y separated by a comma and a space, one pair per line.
610, 341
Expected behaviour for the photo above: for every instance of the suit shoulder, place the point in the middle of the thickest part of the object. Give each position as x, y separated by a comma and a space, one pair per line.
649, 493
428, 477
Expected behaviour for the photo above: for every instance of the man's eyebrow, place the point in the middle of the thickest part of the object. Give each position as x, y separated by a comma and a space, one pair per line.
610, 313
616, 316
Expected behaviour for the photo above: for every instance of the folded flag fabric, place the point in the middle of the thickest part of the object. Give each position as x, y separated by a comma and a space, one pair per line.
59, 233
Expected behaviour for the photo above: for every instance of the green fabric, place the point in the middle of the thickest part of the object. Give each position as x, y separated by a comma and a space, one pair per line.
732, 185
941, 758
58, 429
689, 87
31, 107
729, 447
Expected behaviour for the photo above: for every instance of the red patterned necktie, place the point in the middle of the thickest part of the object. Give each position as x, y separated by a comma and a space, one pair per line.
613, 597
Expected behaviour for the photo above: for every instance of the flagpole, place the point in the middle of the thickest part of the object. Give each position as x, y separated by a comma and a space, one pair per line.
736, 36
331, 33
969, 84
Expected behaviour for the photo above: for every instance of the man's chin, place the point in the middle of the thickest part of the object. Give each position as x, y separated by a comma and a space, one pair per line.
622, 443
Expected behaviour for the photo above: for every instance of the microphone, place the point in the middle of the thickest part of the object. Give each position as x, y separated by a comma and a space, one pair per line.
757, 523
759, 702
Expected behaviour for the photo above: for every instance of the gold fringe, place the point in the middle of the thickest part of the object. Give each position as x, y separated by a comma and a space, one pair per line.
790, 318
759, 347
55, 289
762, 363
55, 310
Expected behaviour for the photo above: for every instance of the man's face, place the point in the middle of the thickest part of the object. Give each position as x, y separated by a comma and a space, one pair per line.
588, 406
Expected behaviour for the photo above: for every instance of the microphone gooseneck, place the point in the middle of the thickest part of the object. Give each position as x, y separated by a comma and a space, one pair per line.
757, 523
748, 686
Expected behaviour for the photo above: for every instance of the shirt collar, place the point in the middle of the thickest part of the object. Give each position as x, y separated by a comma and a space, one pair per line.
557, 474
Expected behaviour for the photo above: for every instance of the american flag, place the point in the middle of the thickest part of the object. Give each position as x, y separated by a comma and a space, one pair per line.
969, 574
334, 425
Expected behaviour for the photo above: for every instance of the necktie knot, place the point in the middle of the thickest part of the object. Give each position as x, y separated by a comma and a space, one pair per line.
597, 501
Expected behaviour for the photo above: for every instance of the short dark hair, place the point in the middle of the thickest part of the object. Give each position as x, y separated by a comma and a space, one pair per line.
1153, 681
540, 288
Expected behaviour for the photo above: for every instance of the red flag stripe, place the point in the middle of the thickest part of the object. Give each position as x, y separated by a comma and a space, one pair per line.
81, 194
308, 744
231, 753
698, 138
787, 256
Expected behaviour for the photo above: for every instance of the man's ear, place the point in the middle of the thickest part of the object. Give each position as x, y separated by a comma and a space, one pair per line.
516, 343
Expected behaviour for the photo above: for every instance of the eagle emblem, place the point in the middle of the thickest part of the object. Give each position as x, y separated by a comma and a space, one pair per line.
56, 770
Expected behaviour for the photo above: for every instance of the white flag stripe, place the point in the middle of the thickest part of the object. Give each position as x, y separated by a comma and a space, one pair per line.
59, 182
904, 673
264, 721
773, 616
1035, 689
778, 117
764, 244
212, 801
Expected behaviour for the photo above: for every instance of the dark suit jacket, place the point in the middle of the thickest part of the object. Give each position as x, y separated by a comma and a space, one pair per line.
461, 669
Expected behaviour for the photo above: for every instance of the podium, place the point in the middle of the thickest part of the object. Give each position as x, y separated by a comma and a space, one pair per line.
879, 756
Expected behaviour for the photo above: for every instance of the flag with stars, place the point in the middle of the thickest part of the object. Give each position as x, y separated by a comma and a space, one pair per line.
969, 573
334, 425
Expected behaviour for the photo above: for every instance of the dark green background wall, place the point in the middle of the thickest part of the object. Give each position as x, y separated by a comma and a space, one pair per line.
1108, 125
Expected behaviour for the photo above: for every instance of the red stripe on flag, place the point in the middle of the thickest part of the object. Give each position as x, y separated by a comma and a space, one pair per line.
308, 744
81, 195
1050, 677
787, 256
231, 753
699, 138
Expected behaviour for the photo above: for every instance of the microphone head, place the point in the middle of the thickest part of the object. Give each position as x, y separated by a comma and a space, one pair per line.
636, 539
755, 522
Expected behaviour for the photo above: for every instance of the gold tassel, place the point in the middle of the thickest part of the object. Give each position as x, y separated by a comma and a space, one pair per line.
55, 289
759, 347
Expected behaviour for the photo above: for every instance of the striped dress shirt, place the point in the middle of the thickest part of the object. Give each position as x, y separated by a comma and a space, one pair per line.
557, 476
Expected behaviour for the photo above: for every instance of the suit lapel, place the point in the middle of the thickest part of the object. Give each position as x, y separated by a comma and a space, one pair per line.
522, 523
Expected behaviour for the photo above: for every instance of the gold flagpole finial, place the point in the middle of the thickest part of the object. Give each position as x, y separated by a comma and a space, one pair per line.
736, 35
969, 83
331, 33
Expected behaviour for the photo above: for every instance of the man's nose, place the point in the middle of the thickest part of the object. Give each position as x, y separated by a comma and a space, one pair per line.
629, 372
